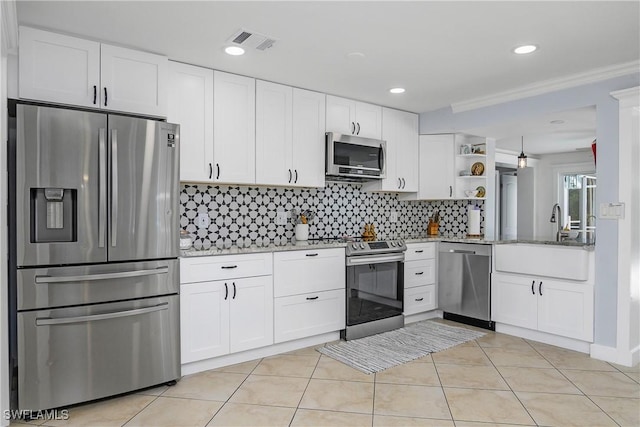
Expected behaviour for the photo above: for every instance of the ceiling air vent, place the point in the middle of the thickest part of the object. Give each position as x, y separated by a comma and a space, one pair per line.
251, 40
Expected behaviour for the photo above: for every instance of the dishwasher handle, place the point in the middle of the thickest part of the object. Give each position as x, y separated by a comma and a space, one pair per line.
458, 251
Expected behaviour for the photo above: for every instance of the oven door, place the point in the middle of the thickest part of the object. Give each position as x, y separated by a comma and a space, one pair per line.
375, 286
353, 156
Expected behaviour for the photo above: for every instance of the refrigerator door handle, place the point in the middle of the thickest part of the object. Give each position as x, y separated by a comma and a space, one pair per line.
45, 321
101, 276
102, 189
114, 187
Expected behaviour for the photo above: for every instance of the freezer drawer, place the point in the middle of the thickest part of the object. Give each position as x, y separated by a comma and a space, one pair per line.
40, 288
72, 355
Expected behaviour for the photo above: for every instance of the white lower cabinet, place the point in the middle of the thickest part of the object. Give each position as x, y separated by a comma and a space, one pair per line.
420, 287
227, 315
300, 316
554, 306
309, 290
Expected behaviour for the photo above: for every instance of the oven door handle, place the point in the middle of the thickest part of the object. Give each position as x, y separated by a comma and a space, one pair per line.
374, 259
45, 321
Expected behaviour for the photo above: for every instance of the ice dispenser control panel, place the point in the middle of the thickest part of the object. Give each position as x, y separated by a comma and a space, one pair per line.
53, 215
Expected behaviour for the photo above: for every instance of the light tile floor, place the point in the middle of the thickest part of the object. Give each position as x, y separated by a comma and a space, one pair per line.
495, 380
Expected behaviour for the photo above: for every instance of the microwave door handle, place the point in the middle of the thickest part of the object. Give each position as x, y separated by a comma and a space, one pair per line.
380, 158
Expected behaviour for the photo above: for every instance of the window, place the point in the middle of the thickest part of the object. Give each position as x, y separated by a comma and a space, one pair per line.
578, 200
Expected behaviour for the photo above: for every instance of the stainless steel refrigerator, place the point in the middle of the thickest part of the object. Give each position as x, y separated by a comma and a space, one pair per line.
94, 275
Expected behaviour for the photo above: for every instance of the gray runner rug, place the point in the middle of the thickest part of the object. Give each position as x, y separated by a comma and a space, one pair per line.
388, 349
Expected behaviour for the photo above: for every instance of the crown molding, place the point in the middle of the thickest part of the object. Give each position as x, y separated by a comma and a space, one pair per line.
9, 27
547, 86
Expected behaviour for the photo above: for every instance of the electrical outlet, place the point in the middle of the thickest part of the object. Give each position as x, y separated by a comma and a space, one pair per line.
203, 220
281, 218
394, 216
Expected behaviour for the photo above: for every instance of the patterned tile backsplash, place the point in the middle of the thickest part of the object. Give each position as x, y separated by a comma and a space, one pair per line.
247, 215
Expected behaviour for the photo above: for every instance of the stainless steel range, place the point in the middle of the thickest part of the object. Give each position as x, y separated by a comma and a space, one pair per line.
375, 285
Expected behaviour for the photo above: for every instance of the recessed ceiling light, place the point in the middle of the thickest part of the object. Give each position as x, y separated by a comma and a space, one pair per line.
234, 50
397, 90
556, 122
522, 50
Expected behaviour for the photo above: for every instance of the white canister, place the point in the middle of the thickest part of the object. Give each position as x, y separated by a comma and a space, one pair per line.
302, 232
473, 220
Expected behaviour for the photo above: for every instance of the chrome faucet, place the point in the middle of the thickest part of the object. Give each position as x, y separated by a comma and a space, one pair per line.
557, 220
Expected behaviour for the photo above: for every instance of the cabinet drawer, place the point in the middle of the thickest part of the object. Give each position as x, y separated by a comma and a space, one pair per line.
301, 272
416, 251
420, 299
310, 314
199, 269
417, 273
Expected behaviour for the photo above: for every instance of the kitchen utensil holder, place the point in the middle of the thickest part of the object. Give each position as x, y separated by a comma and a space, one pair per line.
302, 232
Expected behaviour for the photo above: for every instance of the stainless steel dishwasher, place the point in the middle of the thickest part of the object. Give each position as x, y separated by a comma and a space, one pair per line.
464, 283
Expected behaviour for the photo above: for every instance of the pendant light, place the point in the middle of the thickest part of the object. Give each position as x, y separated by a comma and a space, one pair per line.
522, 158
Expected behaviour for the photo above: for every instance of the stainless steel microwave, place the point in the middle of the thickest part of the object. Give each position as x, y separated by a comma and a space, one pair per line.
354, 158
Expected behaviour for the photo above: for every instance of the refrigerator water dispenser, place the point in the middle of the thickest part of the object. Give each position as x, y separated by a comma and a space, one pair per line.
53, 215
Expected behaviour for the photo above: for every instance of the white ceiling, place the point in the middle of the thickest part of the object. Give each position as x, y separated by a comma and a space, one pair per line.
543, 137
441, 52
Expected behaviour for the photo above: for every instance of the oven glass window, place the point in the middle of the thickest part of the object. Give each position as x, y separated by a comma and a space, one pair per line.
374, 292
356, 155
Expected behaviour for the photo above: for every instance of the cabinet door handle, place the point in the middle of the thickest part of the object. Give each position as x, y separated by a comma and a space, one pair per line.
229, 267
419, 299
217, 170
290, 176
316, 254
403, 183
533, 282
419, 251
95, 94
312, 298
540, 288
234, 290
353, 128
210, 170
296, 180
358, 132
105, 96
399, 183
450, 191
419, 273
226, 291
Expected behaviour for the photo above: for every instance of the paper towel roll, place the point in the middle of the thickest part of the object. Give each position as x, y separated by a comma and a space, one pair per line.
473, 220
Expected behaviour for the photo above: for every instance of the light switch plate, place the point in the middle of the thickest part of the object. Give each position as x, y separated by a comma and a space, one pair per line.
393, 217
203, 220
281, 218
612, 210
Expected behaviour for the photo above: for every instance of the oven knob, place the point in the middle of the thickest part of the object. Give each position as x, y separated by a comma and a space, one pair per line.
393, 244
354, 246
361, 245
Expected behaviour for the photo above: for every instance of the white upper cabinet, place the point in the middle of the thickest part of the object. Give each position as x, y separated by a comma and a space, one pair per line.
274, 139
234, 118
308, 138
133, 81
400, 131
436, 168
70, 70
353, 117
289, 136
58, 68
191, 105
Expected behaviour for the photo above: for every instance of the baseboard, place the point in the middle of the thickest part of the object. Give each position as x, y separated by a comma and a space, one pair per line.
614, 355
257, 353
543, 337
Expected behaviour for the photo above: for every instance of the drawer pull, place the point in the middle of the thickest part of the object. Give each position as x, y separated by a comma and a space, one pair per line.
229, 267
419, 299
419, 251
419, 273
316, 254
312, 298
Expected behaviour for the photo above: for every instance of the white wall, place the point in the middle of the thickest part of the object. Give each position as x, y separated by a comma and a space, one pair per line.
598, 94
548, 168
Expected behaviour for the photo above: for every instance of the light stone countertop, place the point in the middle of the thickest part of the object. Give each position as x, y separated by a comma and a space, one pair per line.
319, 244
